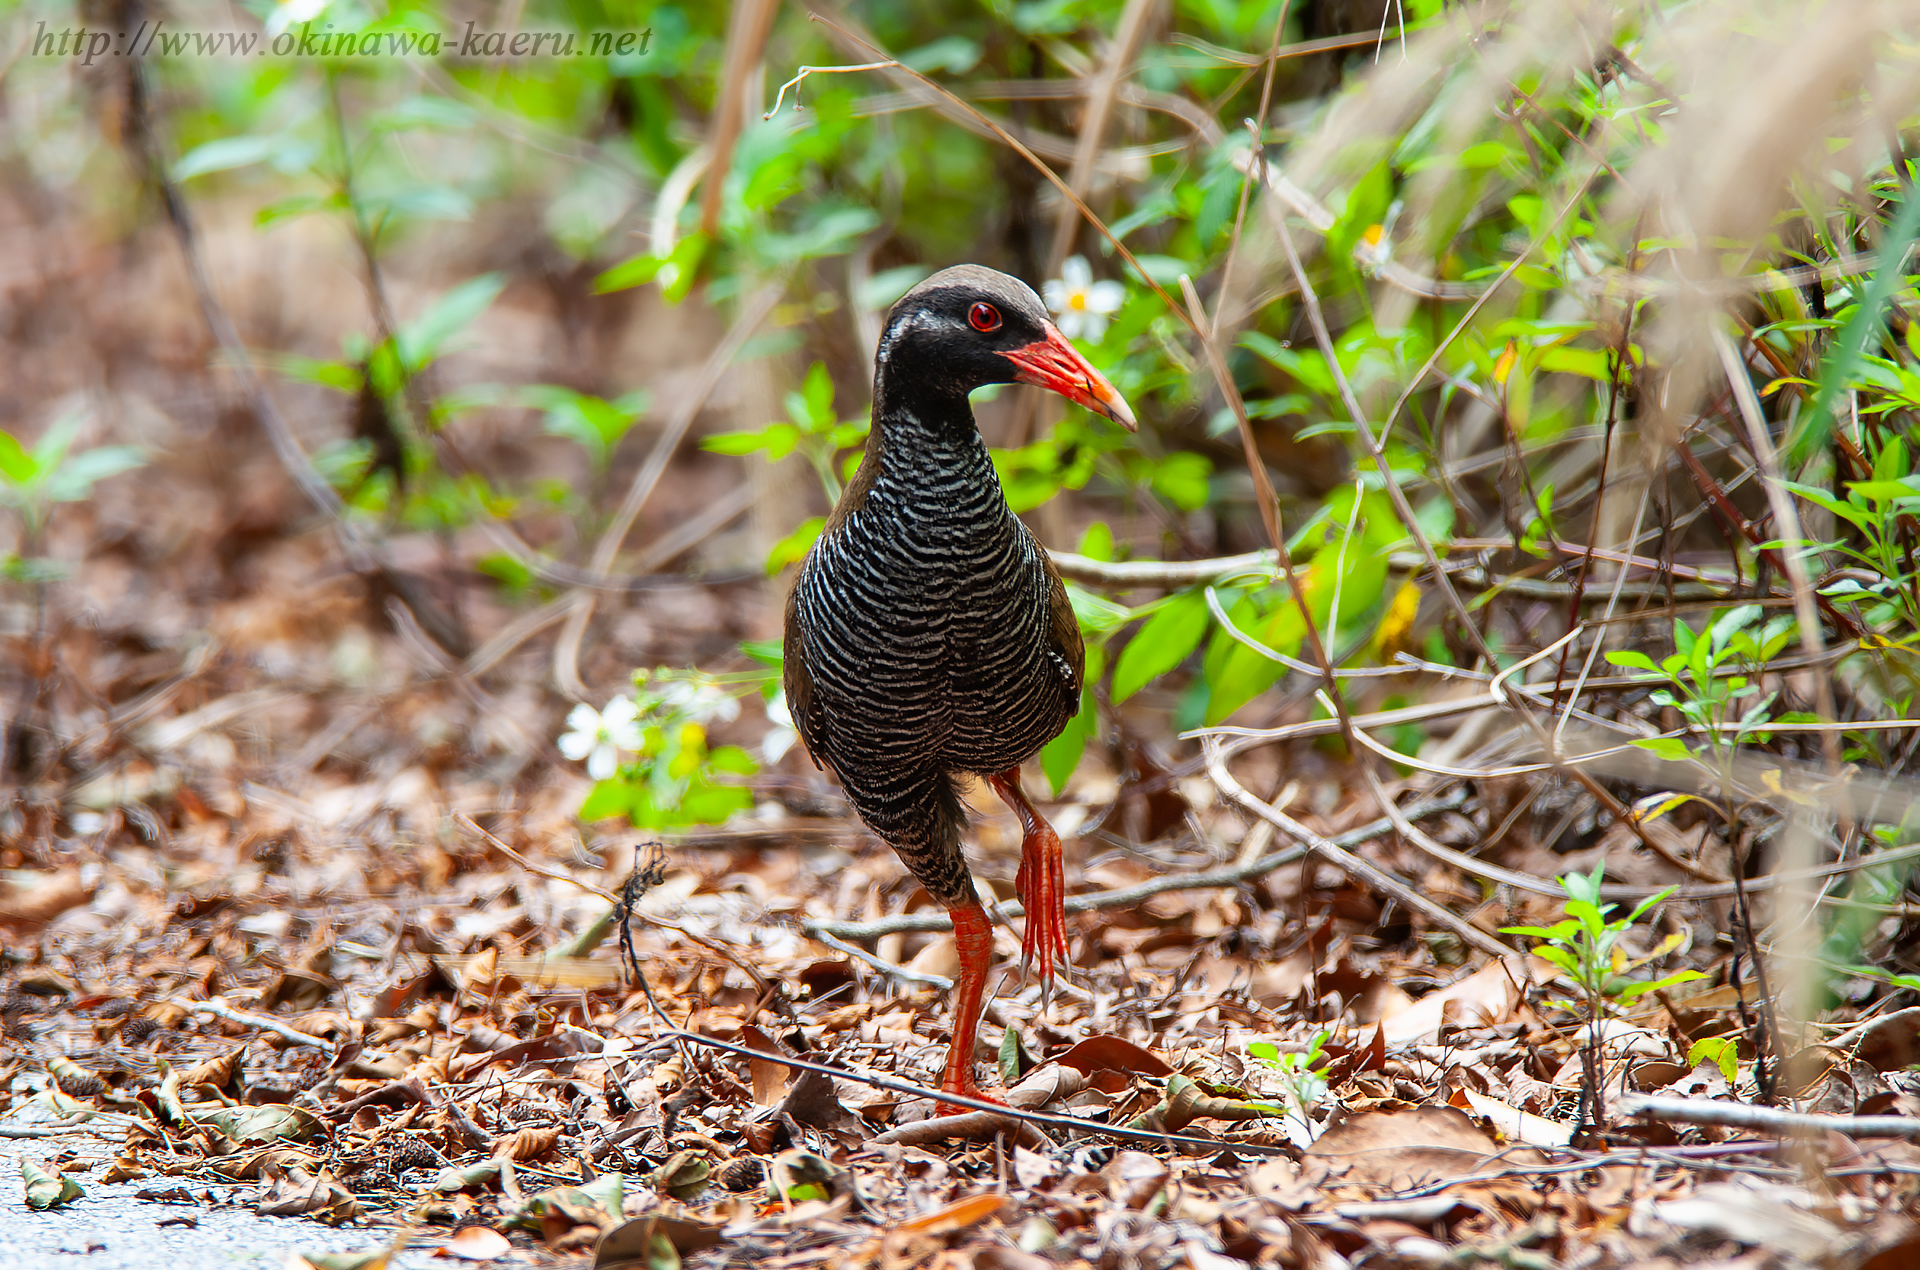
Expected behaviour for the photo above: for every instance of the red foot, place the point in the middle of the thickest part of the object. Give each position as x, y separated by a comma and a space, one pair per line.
1042, 880
962, 1084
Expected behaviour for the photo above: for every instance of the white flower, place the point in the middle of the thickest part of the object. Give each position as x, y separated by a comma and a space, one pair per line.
781, 736
598, 736
1083, 304
699, 701
292, 13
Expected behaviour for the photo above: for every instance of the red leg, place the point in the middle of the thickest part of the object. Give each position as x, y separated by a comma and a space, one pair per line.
973, 939
1042, 880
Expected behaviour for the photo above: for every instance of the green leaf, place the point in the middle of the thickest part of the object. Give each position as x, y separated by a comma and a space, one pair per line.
794, 547
510, 571
816, 397
607, 798
16, 465
298, 205
1722, 1051
1061, 756
420, 340
1670, 748
1097, 542
731, 758
1633, 659
1096, 613
1166, 640
1588, 363
1010, 1057
705, 804
1861, 332
224, 154
1560, 957
1536, 932
777, 439
75, 479
1181, 479
635, 272
1637, 990
339, 376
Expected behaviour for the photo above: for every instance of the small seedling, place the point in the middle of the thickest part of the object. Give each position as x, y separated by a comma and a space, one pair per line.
1719, 703
1301, 1084
33, 481
1586, 948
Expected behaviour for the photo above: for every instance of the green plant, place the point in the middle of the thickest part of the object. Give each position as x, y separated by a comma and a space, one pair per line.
1302, 1084
33, 482
674, 777
1700, 684
1586, 948
814, 430
1722, 1051
1881, 511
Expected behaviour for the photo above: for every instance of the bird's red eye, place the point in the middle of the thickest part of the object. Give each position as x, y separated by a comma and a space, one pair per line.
984, 317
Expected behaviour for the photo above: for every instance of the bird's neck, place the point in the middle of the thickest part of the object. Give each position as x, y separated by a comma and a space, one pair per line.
921, 455
930, 431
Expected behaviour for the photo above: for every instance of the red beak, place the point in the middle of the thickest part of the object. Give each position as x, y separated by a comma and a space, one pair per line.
1056, 365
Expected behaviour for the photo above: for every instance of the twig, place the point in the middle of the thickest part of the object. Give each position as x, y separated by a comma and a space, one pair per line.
233, 351
221, 1010
1352, 865
641, 577
566, 653
966, 1126
1168, 575
805, 71
1073, 1123
1093, 124
818, 931
472, 826
1128, 896
1768, 1119
747, 28
1786, 522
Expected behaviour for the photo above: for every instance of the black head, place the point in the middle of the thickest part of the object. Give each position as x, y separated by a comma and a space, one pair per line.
968, 326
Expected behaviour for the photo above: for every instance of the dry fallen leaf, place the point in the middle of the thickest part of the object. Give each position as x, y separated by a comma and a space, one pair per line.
475, 1243
955, 1216
1488, 995
1399, 1150
1113, 1053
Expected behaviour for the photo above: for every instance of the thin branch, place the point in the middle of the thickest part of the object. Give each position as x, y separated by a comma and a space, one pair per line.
1768, 1119
1353, 866
1128, 897
266, 1023
1051, 1121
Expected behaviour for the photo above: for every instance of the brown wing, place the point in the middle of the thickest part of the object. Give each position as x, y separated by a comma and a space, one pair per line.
798, 680
1063, 637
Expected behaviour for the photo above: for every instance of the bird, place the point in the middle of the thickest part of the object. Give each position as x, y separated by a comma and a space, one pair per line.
928, 635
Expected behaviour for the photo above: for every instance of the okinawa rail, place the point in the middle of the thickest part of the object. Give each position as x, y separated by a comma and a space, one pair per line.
928, 634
